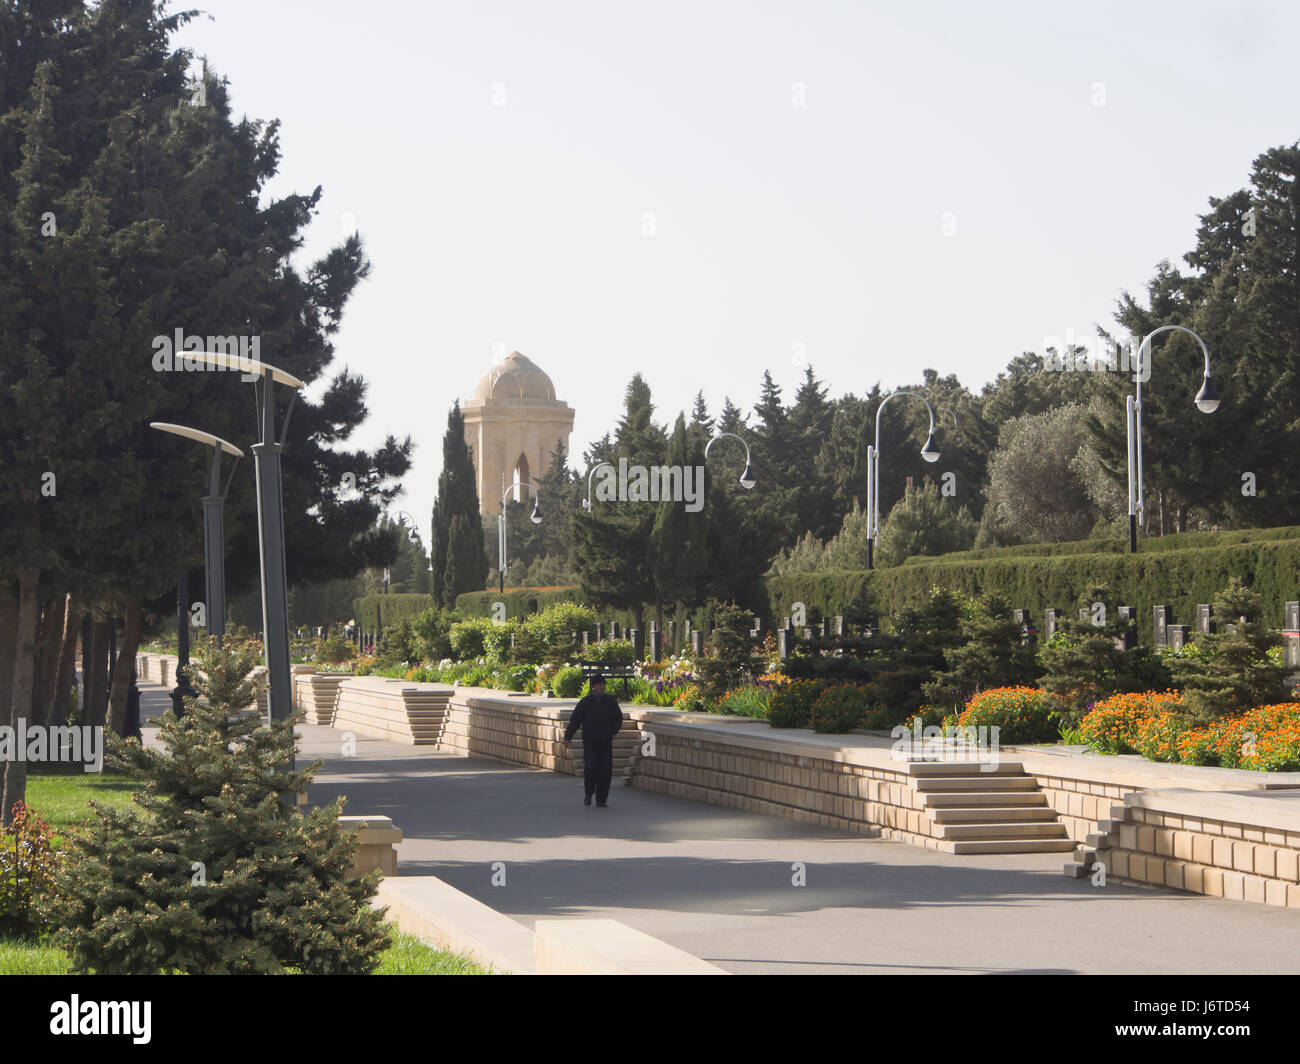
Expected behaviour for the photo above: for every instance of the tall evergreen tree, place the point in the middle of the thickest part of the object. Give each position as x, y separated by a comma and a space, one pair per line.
679, 547
459, 559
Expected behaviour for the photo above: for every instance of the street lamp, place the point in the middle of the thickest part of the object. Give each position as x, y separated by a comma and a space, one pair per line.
929, 452
535, 517
270, 515
214, 539
586, 503
747, 477
1207, 402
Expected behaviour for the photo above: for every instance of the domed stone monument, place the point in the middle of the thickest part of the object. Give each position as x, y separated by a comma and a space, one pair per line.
512, 426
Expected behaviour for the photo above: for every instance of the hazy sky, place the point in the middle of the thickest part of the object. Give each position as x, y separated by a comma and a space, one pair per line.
701, 191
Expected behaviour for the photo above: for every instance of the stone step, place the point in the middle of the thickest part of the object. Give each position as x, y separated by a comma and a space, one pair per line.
988, 782
1031, 830
976, 799
986, 814
1006, 845
969, 767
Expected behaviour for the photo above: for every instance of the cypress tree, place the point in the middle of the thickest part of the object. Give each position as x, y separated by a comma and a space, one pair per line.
459, 556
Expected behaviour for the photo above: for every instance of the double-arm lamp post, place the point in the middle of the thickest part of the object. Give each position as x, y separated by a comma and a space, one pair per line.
928, 452
270, 515
535, 517
1207, 401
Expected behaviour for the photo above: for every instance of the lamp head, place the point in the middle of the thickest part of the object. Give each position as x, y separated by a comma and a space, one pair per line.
747, 478
1207, 399
536, 515
928, 452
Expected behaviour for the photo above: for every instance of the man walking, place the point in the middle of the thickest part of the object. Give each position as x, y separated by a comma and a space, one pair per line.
600, 719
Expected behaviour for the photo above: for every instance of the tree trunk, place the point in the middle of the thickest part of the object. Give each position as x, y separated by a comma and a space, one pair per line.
678, 617
48, 647
96, 679
125, 666
24, 678
8, 653
1180, 517
56, 711
87, 644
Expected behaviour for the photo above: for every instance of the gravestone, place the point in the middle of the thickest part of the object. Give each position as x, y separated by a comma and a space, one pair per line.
1051, 619
1291, 636
1127, 639
838, 627
1162, 619
783, 643
697, 644
672, 634
614, 629
656, 644
825, 628
1203, 623
1177, 636
600, 631
586, 637
634, 634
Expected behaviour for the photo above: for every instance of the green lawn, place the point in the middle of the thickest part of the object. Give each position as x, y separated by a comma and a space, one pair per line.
61, 794
407, 956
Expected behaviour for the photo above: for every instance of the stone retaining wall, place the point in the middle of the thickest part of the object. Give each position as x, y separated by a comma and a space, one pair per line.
395, 710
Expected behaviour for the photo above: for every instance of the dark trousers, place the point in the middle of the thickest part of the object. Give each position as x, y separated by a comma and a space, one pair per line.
597, 768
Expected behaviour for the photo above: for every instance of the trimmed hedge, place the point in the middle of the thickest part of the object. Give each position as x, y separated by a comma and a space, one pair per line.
1178, 578
395, 608
524, 601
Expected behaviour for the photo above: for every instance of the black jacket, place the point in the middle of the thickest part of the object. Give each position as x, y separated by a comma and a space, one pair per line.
599, 718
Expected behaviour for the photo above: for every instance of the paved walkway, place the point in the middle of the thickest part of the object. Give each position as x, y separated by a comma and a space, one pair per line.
717, 882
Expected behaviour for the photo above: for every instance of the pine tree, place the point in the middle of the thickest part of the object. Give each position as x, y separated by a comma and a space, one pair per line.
1085, 661
923, 522
219, 875
1229, 671
994, 654
679, 546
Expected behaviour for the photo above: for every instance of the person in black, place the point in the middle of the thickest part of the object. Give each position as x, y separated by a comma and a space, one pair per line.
600, 719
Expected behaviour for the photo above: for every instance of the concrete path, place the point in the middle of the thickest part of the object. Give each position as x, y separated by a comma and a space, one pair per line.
717, 882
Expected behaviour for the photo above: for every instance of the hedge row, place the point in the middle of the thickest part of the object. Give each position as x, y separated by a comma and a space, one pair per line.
524, 601
1180, 579
367, 608
1117, 545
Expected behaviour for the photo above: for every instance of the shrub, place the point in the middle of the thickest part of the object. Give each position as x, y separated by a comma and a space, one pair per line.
1196, 747
608, 650
838, 709
335, 650
748, 701
466, 638
730, 656
1111, 726
567, 683
555, 625
1022, 714
1277, 748
1158, 735
791, 704
28, 862
513, 677
432, 628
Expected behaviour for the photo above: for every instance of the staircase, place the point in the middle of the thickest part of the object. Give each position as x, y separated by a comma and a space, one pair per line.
999, 811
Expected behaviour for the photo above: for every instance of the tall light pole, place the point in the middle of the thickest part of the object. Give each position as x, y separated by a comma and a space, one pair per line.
928, 452
214, 539
1207, 401
586, 503
747, 480
270, 515
535, 517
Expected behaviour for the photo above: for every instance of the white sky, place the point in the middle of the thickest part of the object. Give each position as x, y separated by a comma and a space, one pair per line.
520, 227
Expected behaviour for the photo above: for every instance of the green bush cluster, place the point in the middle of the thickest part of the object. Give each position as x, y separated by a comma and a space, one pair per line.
838, 709
791, 704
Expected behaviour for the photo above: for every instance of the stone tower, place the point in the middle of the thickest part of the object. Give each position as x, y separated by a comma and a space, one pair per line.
512, 425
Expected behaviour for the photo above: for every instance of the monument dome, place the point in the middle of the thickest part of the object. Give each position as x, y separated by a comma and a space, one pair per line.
512, 426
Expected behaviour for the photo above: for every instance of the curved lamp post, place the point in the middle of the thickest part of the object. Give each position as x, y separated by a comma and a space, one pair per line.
270, 515
586, 503
747, 477
535, 517
928, 452
1207, 402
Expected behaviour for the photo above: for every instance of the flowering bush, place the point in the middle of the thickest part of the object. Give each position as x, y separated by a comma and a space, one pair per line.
790, 705
27, 866
1111, 725
691, 699
838, 709
1266, 739
1277, 747
1022, 714
1157, 735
